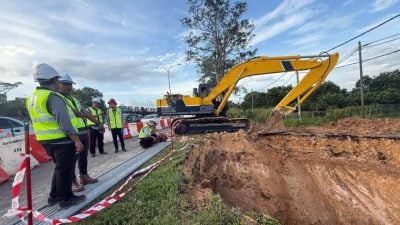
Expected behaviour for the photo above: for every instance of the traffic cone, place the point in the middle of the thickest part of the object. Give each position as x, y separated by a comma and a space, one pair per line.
126, 131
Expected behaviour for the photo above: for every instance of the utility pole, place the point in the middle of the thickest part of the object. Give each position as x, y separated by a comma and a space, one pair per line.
252, 100
361, 81
298, 99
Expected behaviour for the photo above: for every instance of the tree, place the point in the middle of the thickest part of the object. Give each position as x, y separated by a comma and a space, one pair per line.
218, 38
86, 94
5, 87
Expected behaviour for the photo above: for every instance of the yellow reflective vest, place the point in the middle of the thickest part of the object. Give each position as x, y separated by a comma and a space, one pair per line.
143, 134
94, 112
115, 117
44, 124
77, 122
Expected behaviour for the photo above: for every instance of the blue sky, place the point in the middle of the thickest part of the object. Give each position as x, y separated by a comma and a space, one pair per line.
123, 48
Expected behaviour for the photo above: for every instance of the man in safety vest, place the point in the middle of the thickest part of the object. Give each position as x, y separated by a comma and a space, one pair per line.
79, 123
51, 119
148, 134
96, 131
115, 124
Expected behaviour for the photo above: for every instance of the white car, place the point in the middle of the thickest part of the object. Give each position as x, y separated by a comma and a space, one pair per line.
156, 118
12, 127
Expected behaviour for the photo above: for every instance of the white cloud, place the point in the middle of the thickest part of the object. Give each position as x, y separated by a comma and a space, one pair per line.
380, 5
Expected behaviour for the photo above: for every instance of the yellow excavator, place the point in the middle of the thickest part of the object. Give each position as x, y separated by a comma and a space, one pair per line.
208, 105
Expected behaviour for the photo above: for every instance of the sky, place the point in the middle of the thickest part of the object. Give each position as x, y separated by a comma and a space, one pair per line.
125, 48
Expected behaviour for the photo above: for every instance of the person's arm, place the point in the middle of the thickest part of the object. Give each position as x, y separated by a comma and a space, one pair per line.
89, 116
58, 109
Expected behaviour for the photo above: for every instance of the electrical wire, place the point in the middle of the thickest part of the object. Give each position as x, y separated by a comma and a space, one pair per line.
347, 56
394, 35
367, 31
382, 42
274, 81
398, 50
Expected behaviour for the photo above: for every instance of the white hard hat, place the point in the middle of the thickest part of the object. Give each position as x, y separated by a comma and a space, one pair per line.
65, 78
96, 100
44, 72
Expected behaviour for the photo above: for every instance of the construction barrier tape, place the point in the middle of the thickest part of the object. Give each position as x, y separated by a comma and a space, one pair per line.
105, 203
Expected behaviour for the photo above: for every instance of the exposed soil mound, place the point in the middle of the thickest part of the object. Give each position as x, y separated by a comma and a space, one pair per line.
345, 173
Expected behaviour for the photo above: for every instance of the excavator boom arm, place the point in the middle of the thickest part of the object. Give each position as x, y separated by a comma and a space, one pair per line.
318, 70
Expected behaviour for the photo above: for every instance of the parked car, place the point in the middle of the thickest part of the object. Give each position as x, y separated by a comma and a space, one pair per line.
154, 117
12, 127
131, 118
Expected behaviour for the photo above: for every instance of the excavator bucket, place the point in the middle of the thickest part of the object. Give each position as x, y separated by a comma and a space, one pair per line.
311, 82
274, 124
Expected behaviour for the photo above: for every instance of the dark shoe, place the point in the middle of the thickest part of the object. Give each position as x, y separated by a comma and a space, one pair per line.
52, 201
86, 179
74, 200
76, 187
93, 155
116, 151
103, 153
124, 149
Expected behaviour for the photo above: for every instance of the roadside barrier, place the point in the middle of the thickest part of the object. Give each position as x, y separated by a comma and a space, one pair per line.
139, 126
133, 129
37, 150
107, 135
11, 149
126, 131
3, 176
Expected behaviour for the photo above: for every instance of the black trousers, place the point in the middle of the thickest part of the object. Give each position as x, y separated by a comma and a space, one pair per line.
117, 132
96, 135
64, 157
148, 141
82, 157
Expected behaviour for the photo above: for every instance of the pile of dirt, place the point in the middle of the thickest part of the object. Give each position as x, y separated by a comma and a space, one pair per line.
344, 173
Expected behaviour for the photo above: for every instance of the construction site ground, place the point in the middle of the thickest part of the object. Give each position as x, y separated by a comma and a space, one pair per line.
346, 172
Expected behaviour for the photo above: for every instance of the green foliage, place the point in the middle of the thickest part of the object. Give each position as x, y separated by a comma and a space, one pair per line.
160, 199
218, 37
317, 118
5, 87
258, 115
382, 89
15, 109
267, 220
218, 213
86, 94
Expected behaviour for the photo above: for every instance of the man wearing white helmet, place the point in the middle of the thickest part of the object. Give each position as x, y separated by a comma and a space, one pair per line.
96, 130
78, 122
51, 119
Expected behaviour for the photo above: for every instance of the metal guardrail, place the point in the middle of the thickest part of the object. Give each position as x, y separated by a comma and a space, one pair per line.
106, 182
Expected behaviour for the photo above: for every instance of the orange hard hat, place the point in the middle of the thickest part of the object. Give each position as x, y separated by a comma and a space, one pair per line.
112, 101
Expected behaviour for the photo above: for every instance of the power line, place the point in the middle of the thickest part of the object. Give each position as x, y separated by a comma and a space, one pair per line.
348, 56
373, 28
398, 50
275, 80
394, 35
382, 42
287, 81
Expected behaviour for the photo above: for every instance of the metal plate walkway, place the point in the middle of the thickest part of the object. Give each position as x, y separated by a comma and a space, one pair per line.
106, 182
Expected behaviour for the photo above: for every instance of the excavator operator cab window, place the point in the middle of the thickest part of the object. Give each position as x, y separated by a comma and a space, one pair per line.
205, 89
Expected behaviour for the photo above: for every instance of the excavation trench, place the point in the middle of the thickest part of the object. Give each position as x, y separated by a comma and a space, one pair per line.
344, 173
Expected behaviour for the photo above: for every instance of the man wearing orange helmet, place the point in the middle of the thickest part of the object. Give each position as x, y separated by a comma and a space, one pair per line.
115, 124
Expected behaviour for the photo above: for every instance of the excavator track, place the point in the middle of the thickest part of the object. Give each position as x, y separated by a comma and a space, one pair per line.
209, 124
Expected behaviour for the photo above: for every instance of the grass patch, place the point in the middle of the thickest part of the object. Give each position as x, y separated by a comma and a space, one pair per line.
160, 199
260, 115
